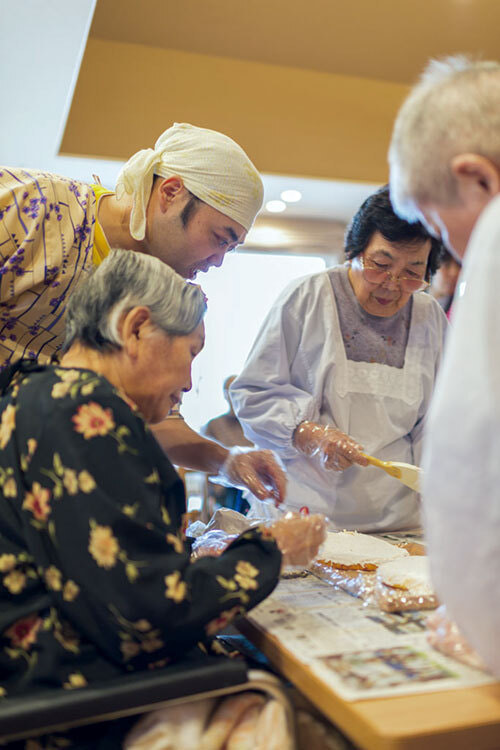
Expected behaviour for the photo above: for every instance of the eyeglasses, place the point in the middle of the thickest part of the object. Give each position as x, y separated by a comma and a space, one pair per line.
377, 275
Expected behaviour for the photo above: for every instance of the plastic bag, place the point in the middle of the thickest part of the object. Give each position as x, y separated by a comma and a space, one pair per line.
360, 583
224, 526
262, 510
405, 585
211, 543
397, 600
444, 636
370, 587
297, 536
196, 529
229, 520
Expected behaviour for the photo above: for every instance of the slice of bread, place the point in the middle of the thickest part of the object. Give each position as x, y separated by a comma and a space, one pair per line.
409, 574
350, 550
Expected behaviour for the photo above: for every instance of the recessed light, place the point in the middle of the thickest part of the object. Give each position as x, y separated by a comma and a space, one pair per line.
275, 207
291, 196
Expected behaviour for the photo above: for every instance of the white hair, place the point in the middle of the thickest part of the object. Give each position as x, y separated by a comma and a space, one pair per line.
126, 279
454, 109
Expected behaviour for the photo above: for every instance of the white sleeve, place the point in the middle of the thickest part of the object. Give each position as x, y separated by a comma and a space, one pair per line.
462, 451
274, 392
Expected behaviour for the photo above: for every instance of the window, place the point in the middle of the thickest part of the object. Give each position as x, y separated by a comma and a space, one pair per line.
239, 297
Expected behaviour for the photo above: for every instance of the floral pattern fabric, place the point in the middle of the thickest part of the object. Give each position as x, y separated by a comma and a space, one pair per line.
95, 578
47, 226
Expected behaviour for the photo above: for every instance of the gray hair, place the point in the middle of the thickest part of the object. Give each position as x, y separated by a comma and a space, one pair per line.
126, 279
454, 109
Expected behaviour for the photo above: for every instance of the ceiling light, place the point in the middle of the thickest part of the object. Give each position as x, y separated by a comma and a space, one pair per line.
291, 196
275, 207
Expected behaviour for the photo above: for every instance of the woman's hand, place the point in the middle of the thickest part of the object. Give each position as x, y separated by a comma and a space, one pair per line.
258, 471
335, 450
299, 537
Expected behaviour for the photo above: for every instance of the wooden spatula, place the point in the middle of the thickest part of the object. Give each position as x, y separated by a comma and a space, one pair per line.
406, 473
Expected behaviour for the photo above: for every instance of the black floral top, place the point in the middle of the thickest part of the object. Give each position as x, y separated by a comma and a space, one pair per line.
95, 578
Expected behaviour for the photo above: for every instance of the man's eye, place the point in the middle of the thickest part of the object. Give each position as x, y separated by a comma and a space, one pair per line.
412, 274
221, 241
380, 265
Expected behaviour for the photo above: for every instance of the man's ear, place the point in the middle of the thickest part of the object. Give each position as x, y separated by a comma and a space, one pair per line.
476, 173
168, 189
133, 326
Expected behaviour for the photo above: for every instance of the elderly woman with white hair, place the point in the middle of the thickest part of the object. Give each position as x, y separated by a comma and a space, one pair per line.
187, 201
96, 580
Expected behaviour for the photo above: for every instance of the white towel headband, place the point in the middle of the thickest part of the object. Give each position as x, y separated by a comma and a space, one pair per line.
212, 166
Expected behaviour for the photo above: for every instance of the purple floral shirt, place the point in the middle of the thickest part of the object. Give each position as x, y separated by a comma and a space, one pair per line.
47, 227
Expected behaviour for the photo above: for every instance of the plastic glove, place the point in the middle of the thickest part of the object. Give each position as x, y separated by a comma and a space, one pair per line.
255, 470
299, 537
335, 450
444, 636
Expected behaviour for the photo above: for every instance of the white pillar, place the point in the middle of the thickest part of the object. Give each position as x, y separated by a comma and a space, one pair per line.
41, 48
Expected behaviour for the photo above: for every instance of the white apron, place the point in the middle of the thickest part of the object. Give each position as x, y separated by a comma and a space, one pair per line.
378, 406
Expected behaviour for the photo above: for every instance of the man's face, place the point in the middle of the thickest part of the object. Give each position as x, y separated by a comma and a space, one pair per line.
451, 224
188, 241
477, 182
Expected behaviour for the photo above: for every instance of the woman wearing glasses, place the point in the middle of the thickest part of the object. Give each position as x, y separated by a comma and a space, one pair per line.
348, 358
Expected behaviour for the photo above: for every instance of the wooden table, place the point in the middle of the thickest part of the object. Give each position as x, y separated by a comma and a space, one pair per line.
463, 719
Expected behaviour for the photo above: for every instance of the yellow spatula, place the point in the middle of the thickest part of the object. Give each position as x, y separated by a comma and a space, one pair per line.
406, 473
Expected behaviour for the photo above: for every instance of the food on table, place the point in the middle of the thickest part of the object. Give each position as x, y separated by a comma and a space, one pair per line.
408, 574
350, 550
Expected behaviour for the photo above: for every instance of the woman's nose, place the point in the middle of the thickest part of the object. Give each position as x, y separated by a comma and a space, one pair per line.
391, 282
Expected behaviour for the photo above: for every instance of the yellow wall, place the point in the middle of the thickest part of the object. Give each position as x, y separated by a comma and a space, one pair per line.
291, 121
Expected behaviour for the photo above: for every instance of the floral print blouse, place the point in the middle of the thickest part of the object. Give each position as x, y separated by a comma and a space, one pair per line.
95, 578
47, 226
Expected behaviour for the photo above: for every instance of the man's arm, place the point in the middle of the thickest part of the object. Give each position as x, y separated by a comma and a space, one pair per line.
187, 448
255, 470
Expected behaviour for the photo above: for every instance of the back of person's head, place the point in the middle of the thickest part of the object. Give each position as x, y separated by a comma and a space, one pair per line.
454, 109
125, 280
226, 386
447, 259
213, 167
446, 278
227, 382
377, 214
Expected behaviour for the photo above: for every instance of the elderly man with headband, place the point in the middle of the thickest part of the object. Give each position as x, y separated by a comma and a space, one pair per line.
445, 171
187, 202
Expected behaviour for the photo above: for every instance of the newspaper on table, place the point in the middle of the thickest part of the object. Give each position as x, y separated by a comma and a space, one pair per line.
357, 650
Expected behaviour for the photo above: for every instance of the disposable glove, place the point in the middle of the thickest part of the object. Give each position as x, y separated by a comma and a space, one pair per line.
335, 450
258, 471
